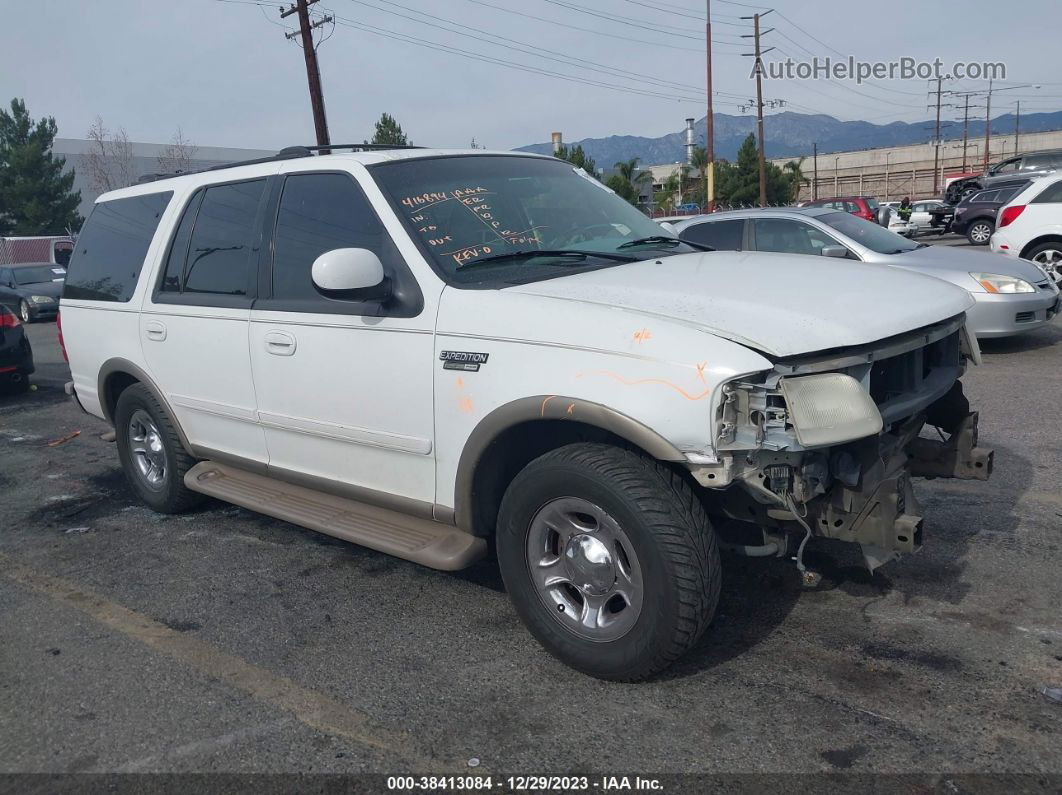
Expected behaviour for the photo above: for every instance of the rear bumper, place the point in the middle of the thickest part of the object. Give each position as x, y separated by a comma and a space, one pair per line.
1006, 315
16, 360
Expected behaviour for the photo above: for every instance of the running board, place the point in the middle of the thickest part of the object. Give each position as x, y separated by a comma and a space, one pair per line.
423, 541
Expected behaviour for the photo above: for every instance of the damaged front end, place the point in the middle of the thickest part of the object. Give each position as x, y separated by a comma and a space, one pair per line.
827, 445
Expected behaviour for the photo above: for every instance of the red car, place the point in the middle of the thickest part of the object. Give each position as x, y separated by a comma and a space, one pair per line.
860, 206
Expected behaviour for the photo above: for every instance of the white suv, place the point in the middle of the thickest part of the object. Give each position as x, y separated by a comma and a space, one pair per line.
1030, 226
420, 350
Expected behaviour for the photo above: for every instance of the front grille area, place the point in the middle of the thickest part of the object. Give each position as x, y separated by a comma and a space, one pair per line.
897, 378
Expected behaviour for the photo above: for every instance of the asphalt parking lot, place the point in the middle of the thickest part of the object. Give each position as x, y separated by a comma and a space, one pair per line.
227, 641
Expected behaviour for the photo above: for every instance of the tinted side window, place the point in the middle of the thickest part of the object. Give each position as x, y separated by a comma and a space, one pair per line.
1050, 195
173, 277
318, 213
786, 237
985, 197
111, 248
720, 235
223, 240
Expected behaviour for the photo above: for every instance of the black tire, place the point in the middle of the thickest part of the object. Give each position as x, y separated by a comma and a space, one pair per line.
979, 232
24, 311
12, 387
170, 495
668, 530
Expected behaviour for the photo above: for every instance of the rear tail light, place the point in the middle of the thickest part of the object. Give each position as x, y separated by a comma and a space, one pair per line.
8, 319
1009, 214
59, 329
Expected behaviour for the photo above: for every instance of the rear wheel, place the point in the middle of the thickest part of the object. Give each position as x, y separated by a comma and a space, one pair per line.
980, 232
1049, 256
151, 453
609, 559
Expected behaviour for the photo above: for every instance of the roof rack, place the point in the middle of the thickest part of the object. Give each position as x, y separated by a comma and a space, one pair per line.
287, 153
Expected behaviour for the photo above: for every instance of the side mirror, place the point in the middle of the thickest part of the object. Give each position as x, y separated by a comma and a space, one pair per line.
840, 252
352, 274
668, 226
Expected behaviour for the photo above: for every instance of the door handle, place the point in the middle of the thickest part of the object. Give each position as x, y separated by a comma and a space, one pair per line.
154, 330
280, 343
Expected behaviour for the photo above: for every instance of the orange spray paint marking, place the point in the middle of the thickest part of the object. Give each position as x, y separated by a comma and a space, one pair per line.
460, 382
700, 371
465, 404
544, 402
661, 381
641, 335
571, 408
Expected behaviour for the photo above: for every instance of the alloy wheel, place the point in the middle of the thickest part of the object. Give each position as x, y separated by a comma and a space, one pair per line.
147, 450
980, 233
1051, 261
585, 569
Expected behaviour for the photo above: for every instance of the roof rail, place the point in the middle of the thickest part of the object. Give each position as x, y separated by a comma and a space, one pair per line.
287, 153
305, 151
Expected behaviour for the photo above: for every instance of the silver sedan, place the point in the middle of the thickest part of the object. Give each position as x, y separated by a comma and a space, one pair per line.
1012, 295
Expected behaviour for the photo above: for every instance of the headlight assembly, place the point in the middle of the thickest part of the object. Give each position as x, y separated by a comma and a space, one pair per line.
995, 283
829, 408
42, 299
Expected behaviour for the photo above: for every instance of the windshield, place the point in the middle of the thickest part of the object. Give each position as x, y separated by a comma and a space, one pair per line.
482, 218
876, 238
39, 273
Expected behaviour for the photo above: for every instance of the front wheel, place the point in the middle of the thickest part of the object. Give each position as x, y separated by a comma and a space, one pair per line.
24, 311
609, 559
980, 232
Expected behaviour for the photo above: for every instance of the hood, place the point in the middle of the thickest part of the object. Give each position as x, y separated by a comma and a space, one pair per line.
965, 261
780, 304
54, 289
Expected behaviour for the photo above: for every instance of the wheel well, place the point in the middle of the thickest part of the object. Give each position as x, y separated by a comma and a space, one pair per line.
113, 388
1043, 239
516, 447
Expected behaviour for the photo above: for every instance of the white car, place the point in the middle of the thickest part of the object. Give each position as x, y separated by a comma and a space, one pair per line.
419, 350
921, 215
1030, 225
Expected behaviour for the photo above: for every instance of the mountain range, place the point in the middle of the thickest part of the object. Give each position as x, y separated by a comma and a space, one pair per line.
788, 134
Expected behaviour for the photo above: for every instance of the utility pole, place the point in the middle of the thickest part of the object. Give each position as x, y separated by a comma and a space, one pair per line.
313, 74
936, 138
965, 128
758, 69
1017, 127
815, 182
709, 120
988, 122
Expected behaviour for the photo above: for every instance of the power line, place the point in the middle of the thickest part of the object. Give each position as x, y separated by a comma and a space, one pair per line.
404, 37
536, 51
643, 41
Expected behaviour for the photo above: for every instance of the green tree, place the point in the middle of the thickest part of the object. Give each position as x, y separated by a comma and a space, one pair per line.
699, 162
665, 197
36, 197
738, 184
628, 180
389, 132
577, 157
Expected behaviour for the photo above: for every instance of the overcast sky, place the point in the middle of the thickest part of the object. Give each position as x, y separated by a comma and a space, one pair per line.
223, 71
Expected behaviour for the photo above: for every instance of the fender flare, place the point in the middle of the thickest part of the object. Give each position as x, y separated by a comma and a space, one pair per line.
547, 407
120, 365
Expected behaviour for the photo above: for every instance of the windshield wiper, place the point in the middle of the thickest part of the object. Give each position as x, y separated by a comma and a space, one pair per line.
661, 240
567, 253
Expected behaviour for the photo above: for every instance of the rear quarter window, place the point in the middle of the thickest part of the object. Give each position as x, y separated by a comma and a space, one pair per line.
110, 250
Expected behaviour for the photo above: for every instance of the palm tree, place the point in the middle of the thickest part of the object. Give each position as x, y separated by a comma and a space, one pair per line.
631, 179
793, 172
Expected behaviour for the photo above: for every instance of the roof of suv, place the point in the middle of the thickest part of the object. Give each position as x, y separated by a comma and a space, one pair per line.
255, 168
